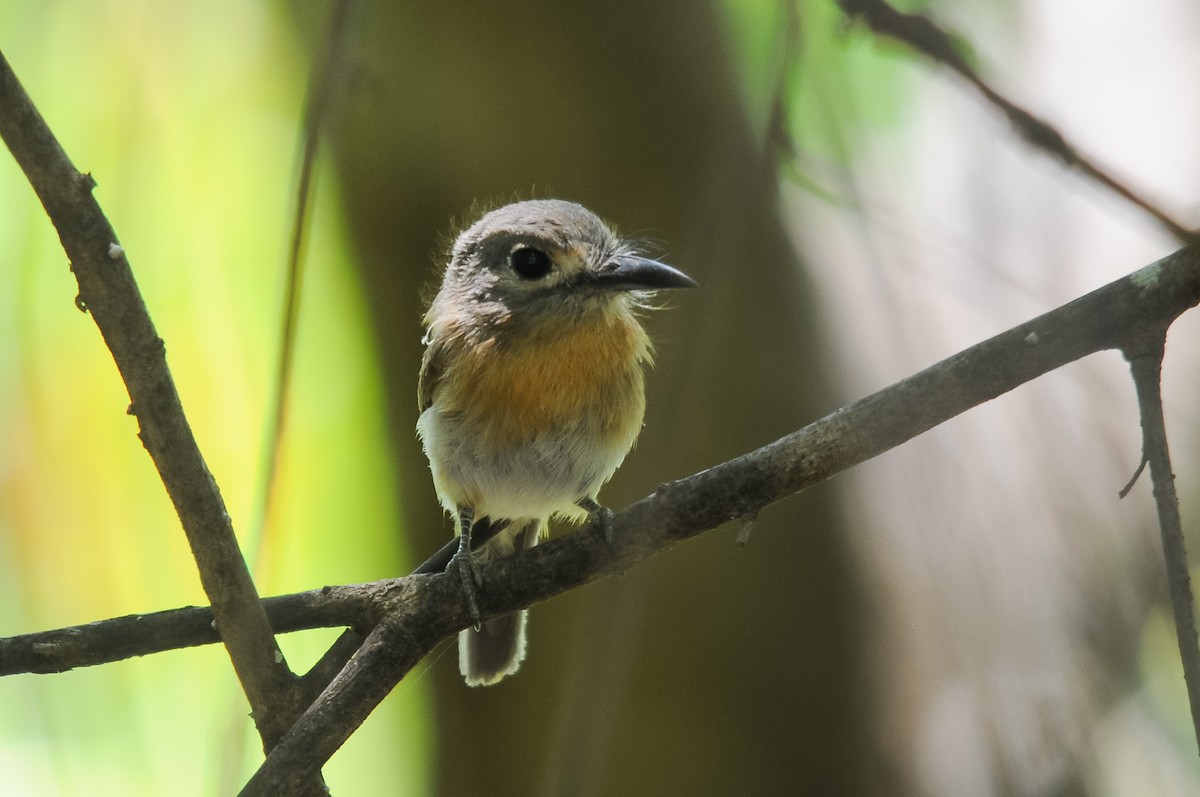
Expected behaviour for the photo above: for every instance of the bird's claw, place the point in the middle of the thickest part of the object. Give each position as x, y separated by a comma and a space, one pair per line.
468, 573
599, 516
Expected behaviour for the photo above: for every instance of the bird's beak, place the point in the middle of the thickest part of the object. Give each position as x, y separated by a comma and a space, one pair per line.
633, 273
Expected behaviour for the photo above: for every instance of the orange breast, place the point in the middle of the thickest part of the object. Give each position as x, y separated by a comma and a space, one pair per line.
518, 388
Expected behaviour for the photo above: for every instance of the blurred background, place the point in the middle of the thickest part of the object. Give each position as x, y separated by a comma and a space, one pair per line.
974, 613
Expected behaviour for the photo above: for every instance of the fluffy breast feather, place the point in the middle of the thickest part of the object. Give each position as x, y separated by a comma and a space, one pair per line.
518, 388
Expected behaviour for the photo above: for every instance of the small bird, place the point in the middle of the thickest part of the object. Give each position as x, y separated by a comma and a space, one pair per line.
531, 389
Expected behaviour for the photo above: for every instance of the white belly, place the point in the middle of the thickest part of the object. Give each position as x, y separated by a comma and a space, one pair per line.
543, 477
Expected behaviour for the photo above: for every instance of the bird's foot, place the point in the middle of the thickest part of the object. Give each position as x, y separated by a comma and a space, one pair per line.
599, 516
468, 572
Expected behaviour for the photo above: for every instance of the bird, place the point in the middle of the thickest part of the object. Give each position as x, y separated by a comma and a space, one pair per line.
531, 390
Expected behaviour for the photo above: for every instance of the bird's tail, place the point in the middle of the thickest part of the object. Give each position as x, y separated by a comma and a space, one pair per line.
497, 648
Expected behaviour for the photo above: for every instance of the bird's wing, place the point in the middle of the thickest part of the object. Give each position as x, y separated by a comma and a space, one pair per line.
433, 364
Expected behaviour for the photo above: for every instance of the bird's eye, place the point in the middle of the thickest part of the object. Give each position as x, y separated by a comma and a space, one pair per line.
530, 263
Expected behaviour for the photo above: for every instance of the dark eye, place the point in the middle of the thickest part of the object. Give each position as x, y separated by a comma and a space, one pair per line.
530, 263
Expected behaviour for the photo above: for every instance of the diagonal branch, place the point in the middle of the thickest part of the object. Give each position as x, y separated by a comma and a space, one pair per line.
107, 290
923, 35
402, 619
417, 618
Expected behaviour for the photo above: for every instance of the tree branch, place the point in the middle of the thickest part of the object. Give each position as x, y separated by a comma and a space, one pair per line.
1135, 305
924, 35
107, 290
1145, 362
419, 616
118, 638
403, 619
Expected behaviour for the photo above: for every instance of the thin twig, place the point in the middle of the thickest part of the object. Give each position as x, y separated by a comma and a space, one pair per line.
1145, 362
1137, 474
925, 36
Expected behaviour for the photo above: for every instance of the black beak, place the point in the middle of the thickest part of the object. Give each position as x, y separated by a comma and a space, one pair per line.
633, 273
